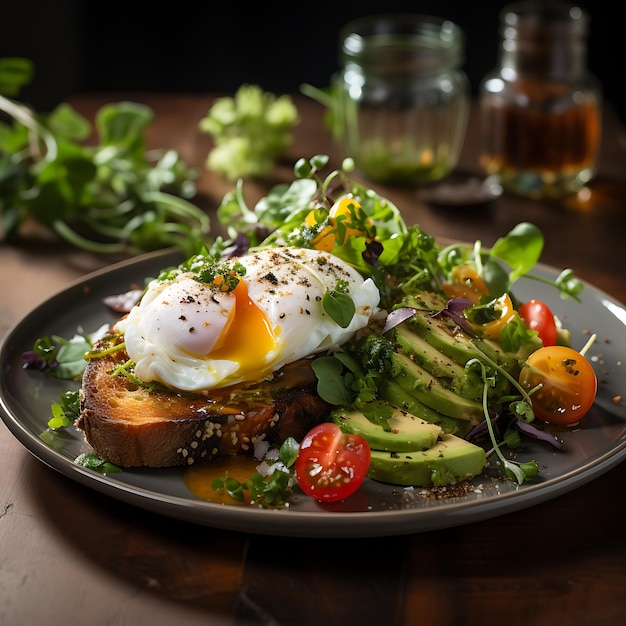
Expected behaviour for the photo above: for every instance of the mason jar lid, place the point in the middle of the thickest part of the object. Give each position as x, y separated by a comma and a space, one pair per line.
397, 43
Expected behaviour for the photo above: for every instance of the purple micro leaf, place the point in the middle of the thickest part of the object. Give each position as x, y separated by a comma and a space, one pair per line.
32, 361
533, 431
373, 250
482, 426
454, 310
239, 247
397, 317
457, 305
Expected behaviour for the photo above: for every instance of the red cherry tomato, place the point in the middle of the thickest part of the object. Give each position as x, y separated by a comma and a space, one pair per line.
569, 384
331, 464
538, 316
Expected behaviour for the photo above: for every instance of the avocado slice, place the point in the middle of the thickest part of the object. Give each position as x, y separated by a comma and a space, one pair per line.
429, 390
449, 461
406, 432
393, 393
437, 331
426, 355
449, 372
459, 346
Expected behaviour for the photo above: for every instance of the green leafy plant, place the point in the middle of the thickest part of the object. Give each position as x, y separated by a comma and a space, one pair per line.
111, 195
250, 130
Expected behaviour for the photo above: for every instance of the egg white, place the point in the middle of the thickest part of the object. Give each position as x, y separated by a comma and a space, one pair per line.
178, 334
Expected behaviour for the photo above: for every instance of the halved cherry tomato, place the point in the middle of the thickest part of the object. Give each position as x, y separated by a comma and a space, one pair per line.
331, 464
466, 283
569, 384
538, 316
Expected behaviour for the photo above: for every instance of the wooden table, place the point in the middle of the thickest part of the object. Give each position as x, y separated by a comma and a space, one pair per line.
71, 556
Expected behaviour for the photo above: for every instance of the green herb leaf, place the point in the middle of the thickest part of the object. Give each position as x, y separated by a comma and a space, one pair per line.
339, 307
94, 462
66, 411
330, 385
288, 452
15, 72
521, 248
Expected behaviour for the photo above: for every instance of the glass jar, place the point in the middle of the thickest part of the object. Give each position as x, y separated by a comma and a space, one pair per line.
404, 97
541, 108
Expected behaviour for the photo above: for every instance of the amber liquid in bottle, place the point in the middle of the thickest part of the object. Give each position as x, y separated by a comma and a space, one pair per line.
541, 108
541, 145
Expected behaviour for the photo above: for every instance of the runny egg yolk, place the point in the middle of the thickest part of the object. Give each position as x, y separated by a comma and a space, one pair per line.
250, 337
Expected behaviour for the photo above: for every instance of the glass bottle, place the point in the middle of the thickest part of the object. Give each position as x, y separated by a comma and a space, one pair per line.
541, 107
404, 97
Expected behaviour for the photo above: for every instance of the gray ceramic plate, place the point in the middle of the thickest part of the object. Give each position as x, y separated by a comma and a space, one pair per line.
376, 509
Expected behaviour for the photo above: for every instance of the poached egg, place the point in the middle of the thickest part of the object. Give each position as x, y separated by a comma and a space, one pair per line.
192, 336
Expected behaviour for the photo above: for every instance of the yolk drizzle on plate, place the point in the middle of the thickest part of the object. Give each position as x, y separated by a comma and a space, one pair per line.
199, 477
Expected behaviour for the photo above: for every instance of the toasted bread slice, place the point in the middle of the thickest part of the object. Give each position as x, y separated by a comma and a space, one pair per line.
134, 426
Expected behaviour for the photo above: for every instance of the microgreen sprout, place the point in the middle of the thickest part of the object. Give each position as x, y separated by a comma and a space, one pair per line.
520, 472
63, 358
211, 270
66, 411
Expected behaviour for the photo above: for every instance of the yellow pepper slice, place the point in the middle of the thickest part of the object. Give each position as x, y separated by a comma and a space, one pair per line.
330, 236
466, 283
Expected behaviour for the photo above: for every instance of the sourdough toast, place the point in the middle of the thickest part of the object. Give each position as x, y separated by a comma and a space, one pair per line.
134, 425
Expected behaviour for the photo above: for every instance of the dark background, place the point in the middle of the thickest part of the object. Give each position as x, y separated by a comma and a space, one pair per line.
209, 46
